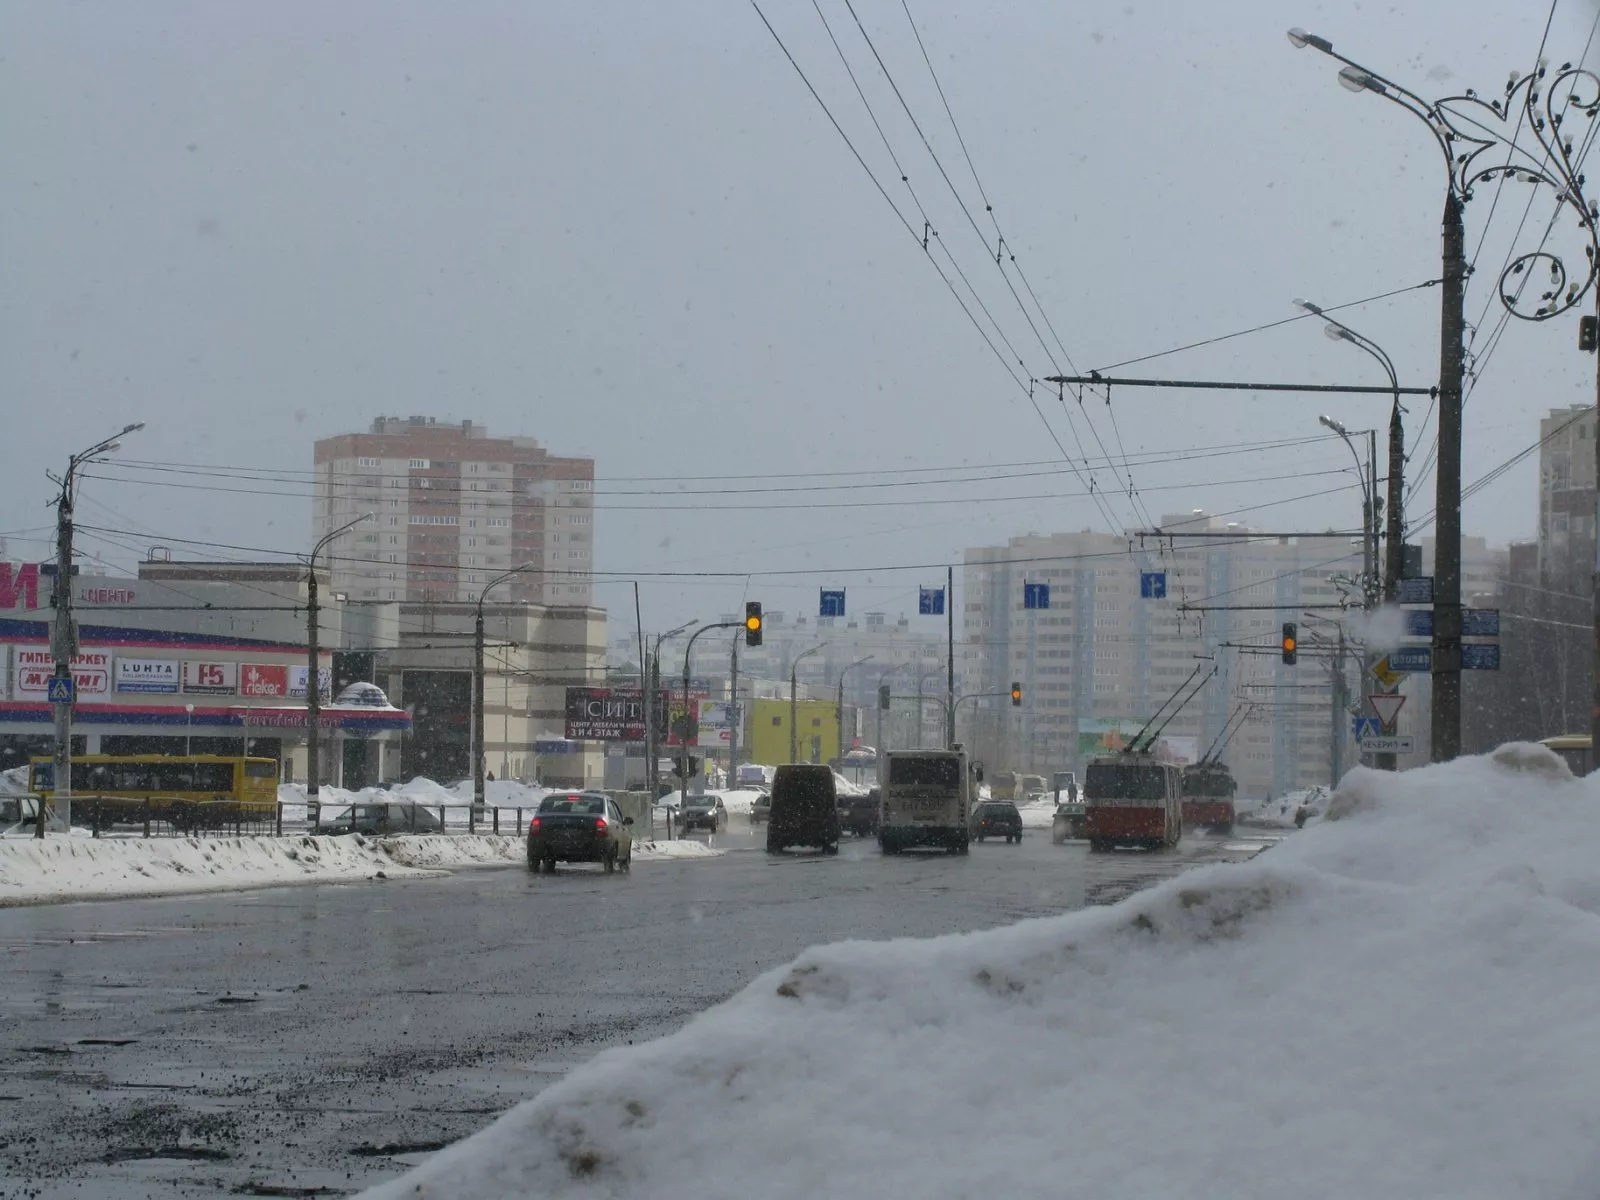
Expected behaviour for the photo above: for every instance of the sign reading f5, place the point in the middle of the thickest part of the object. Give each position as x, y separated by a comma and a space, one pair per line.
19, 585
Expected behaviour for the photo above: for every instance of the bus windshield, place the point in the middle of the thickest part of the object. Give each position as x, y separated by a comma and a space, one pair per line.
1116, 781
943, 771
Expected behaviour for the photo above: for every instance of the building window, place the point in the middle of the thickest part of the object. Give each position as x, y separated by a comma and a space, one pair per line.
419, 464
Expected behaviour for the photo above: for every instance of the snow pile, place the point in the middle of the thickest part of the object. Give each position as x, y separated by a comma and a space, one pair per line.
1396, 1003
738, 801
14, 782
1280, 813
88, 868
844, 787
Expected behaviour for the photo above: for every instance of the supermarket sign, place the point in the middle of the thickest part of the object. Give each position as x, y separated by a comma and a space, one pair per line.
33, 670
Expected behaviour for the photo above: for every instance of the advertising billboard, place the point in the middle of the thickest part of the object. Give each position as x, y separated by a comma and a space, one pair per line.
91, 672
262, 679
210, 678
601, 714
1109, 735
716, 724
299, 675
147, 674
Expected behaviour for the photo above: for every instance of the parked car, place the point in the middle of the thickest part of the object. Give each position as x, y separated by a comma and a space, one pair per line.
761, 808
997, 818
1068, 821
703, 812
579, 827
394, 816
805, 809
859, 814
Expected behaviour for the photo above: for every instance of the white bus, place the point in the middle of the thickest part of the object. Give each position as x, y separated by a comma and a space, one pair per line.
926, 799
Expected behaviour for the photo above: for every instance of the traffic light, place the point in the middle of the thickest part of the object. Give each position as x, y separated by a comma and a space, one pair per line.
1016, 695
686, 766
752, 623
1588, 334
1291, 643
883, 695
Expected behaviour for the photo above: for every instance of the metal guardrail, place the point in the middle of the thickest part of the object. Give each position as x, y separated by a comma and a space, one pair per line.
174, 816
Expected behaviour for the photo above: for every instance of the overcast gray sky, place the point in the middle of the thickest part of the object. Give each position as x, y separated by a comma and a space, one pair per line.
627, 229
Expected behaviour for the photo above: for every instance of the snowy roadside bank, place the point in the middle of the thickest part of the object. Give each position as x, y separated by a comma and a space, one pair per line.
65, 869
1402, 994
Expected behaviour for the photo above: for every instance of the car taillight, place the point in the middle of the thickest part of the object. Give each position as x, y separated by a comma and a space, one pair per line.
534, 824
599, 824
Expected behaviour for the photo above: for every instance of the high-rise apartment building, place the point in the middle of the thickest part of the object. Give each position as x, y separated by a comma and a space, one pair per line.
1567, 498
452, 508
1101, 659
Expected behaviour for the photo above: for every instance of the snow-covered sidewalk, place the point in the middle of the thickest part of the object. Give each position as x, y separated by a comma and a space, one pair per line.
1395, 1003
60, 869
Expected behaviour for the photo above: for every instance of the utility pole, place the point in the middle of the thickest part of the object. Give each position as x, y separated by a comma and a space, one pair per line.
950, 657
64, 641
735, 713
64, 632
1336, 732
1594, 434
1446, 705
478, 719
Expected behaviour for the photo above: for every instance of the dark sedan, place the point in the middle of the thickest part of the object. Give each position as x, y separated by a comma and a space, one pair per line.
859, 814
579, 827
997, 818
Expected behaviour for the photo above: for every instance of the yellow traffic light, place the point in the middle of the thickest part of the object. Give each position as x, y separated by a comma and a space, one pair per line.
752, 623
1291, 643
1016, 695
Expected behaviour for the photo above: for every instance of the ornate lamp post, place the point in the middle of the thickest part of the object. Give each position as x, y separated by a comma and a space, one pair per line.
1463, 127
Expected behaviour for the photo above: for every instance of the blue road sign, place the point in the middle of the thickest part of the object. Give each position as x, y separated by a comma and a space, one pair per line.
1480, 622
1418, 590
61, 690
1367, 726
1480, 656
1153, 585
1416, 659
832, 603
930, 602
1419, 622
1036, 595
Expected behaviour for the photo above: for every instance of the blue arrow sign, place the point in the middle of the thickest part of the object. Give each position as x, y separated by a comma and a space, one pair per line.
61, 690
1036, 595
1417, 659
1480, 656
832, 603
930, 602
1153, 585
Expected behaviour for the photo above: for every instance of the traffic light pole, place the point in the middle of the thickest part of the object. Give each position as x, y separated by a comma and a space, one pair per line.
689, 728
735, 713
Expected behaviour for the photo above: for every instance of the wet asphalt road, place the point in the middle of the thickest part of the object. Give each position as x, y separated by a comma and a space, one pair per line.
311, 1041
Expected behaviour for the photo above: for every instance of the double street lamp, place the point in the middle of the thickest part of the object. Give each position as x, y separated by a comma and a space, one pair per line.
1394, 532
1461, 128
839, 701
650, 694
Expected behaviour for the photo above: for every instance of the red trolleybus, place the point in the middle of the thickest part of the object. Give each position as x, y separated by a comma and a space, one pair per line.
1130, 799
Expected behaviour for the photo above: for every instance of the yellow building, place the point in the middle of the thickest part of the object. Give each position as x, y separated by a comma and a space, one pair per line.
767, 736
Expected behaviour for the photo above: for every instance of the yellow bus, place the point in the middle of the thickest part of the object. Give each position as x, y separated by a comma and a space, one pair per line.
194, 792
1576, 748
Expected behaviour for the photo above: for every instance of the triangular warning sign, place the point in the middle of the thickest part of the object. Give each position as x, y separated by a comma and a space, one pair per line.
1387, 705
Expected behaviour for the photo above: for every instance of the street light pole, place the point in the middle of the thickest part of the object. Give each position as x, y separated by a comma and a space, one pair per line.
63, 630
477, 739
1394, 534
689, 729
882, 677
1369, 558
838, 707
313, 683
1460, 127
794, 667
651, 693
